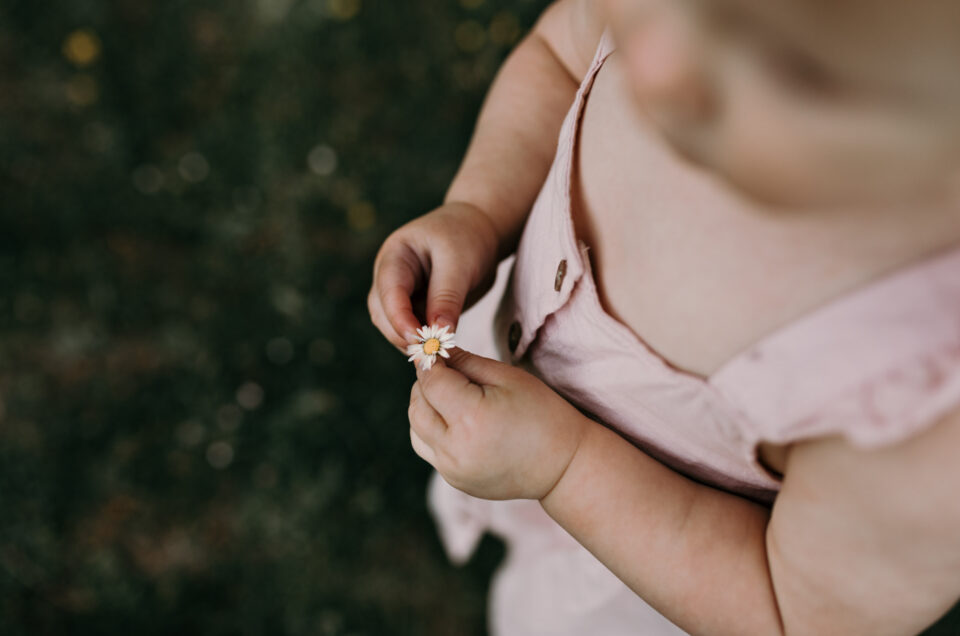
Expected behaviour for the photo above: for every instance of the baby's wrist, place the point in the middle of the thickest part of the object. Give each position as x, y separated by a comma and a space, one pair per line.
496, 241
585, 428
506, 213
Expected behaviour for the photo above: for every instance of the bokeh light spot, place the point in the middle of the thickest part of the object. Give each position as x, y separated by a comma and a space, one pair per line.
314, 402
273, 10
220, 455
322, 160
250, 395
287, 300
193, 167
361, 216
343, 9
81, 47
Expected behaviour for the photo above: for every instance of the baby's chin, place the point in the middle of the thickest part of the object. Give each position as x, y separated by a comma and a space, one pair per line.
763, 188
822, 191
795, 193
782, 183
770, 190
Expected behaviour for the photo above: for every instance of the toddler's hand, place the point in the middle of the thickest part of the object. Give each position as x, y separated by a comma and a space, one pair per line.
492, 430
450, 252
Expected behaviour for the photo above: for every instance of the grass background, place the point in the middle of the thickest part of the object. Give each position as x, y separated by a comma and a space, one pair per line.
200, 430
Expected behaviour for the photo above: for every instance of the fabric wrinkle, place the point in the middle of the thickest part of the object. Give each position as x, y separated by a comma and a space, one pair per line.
876, 365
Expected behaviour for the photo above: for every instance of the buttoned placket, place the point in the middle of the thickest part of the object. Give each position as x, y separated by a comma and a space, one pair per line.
515, 332
557, 234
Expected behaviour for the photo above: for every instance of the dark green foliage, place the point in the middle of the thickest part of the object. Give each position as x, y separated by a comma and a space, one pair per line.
200, 430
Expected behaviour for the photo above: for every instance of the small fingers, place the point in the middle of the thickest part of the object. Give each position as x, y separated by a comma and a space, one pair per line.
379, 319
424, 419
422, 449
396, 281
482, 371
447, 390
446, 293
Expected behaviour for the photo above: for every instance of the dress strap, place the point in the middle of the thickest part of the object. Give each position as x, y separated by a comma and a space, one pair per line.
877, 364
605, 47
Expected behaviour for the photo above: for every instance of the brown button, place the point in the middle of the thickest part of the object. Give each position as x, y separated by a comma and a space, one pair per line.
513, 337
561, 272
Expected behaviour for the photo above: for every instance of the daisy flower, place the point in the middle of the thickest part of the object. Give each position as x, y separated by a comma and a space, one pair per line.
432, 341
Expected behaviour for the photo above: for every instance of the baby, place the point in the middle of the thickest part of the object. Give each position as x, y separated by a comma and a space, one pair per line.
744, 399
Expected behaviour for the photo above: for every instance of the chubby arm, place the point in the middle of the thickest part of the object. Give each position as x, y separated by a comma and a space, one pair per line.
516, 133
857, 542
694, 553
868, 542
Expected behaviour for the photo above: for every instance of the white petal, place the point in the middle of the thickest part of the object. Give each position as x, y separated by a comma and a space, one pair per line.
413, 348
443, 331
444, 353
446, 336
423, 331
427, 362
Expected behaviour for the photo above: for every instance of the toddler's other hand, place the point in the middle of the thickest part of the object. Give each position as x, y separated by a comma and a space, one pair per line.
492, 430
450, 253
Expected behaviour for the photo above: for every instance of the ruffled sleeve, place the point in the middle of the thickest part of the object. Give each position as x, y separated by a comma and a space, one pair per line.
876, 365
889, 407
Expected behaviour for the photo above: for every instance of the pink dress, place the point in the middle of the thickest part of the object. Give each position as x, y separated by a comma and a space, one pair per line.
876, 365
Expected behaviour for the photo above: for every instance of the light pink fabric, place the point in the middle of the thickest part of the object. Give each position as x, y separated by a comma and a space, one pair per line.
876, 365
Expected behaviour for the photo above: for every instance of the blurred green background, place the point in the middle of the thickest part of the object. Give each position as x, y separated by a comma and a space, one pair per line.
200, 430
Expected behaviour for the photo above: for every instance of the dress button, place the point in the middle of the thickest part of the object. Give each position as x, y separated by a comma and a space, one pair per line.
513, 337
561, 272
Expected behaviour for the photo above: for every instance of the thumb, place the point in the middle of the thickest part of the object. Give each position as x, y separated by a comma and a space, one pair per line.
477, 368
457, 383
446, 293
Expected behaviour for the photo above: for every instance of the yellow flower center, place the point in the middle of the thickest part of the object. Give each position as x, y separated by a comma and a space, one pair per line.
431, 346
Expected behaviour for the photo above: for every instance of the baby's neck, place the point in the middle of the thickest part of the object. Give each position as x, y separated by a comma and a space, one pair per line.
906, 229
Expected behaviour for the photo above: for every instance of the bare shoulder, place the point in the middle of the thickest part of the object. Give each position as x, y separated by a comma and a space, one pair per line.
572, 30
868, 541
